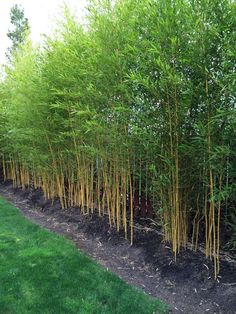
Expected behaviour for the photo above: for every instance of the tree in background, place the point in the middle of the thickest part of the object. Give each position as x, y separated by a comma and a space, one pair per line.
20, 27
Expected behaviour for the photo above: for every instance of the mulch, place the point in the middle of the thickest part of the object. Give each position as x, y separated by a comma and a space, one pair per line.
187, 284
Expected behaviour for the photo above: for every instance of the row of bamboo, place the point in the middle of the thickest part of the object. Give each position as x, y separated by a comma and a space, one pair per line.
121, 116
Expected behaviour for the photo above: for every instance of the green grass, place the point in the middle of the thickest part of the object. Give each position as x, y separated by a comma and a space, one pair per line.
41, 272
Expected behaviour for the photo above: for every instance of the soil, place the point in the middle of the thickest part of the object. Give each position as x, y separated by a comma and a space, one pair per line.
187, 285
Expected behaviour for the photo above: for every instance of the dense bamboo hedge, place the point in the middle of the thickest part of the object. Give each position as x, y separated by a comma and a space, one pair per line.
137, 106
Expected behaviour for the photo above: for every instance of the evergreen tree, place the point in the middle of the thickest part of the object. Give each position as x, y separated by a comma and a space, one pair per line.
20, 27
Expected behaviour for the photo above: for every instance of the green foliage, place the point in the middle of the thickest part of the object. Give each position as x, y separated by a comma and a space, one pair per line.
145, 89
20, 27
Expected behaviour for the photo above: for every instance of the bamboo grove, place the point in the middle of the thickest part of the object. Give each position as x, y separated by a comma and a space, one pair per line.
134, 105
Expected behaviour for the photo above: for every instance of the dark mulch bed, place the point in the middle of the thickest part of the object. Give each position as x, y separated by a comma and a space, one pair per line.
187, 284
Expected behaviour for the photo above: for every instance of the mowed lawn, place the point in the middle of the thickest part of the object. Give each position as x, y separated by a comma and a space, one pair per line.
41, 272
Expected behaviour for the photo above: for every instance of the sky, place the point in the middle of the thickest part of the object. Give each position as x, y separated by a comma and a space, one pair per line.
41, 14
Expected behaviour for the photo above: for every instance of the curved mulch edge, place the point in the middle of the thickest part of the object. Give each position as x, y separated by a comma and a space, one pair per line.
158, 276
